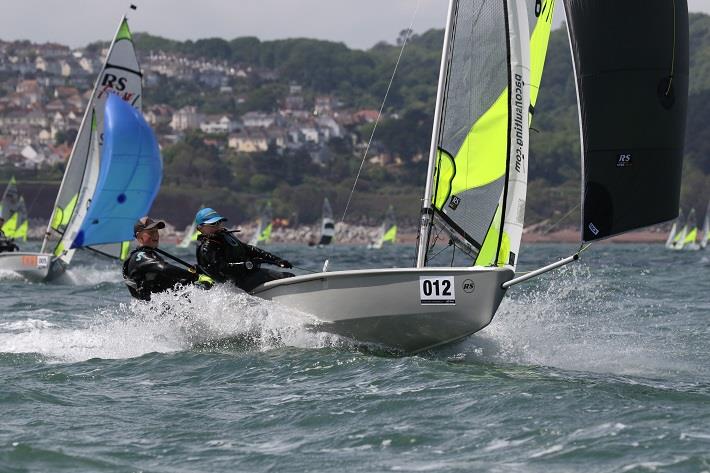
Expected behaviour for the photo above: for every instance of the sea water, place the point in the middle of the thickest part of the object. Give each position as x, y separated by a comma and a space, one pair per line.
601, 366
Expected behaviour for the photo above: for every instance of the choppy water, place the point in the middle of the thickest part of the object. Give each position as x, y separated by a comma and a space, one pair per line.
602, 366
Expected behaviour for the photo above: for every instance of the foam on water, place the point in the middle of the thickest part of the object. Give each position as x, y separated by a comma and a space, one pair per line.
173, 321
572, 321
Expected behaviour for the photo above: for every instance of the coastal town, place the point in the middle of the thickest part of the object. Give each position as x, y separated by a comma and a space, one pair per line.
45, 89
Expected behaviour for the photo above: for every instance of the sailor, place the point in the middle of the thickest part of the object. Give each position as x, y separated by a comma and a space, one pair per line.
223, 257
6, 244
145, 272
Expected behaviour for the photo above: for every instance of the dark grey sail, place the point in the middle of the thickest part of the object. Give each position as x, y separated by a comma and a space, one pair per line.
631, 67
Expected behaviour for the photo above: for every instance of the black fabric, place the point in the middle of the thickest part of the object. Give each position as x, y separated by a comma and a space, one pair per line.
631, 59
217, 254
145, 272
6, 244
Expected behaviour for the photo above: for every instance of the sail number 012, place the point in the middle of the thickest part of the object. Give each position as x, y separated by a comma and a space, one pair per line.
437, 290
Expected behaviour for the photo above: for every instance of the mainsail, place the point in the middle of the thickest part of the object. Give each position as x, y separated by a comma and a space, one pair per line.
14, 211
475, 199
388, 230
692, 232
705, 237
631, 67
191, 234
674, 235
262, 235
119, 76
327, 228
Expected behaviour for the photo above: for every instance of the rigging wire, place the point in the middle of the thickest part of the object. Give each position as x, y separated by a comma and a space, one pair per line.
379, 114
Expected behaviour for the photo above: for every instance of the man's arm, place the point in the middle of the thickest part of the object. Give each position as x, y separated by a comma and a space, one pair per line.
257, 253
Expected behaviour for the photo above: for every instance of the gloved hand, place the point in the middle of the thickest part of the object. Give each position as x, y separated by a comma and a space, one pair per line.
284, 264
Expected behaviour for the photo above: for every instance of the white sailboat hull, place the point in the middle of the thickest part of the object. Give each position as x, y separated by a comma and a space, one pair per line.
386, 306
32, 266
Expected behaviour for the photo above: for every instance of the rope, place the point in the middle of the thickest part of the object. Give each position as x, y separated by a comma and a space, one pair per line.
379, 114
670, 77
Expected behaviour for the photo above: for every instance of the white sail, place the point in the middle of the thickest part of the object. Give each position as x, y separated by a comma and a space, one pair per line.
327, 227
705, 237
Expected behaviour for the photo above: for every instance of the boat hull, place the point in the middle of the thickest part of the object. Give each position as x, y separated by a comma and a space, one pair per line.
31, 266
388, 306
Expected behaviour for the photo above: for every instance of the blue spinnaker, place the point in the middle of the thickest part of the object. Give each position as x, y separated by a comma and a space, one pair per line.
129, 177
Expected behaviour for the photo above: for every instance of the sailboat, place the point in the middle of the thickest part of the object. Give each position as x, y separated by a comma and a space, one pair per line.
676, 237
689, 242
327, 226
262, 235
474, 196
191, 234
387, 232
14, 211
705, 236
112, 176
632, 107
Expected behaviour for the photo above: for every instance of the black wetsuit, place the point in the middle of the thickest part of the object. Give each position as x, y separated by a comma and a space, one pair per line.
218, 253
7, 244
146, 273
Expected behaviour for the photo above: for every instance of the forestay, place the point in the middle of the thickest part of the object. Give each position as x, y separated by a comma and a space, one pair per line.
481, 137
631, 68
119, 76
327, 230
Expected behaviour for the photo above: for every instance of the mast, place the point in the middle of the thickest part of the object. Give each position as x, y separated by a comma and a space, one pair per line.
426, 212
89, 107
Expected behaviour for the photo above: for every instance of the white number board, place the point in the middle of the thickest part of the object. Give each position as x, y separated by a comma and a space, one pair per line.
42, 262
437, 290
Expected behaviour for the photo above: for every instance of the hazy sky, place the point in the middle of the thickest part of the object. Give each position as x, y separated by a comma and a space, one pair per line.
358, 23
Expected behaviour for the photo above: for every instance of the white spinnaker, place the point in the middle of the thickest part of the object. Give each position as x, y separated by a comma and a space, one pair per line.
120, 75
519, 102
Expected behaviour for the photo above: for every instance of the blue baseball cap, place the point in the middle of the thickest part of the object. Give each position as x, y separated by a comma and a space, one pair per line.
208, 216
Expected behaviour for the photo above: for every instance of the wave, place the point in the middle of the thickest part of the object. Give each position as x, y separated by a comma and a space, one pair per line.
189, 318
574, 320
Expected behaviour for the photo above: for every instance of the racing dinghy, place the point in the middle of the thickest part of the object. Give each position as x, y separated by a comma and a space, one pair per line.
262, 235
112, 176
477, 171
705, 237
191, 233
632, 107
387, 233
327, 226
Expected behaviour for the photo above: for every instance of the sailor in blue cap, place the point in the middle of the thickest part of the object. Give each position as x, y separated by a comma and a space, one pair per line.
223, 257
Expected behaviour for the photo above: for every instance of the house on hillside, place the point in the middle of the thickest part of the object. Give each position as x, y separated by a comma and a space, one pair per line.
187, 118
249, 141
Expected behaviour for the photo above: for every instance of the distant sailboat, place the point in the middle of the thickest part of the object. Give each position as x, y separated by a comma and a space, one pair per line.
191, 234
677, 233
327, 227
14, 211
689, 242
262, 235
388, 231
112, 176
705, 236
